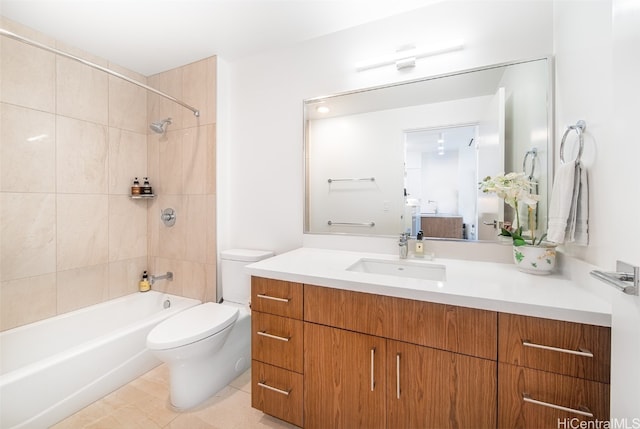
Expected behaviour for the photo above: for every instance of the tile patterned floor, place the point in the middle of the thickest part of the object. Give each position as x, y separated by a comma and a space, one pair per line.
144, 404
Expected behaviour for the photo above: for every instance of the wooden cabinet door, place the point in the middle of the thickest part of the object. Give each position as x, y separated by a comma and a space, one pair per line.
344, 379
430, 388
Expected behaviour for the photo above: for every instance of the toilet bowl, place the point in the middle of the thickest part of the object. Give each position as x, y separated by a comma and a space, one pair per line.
208, 345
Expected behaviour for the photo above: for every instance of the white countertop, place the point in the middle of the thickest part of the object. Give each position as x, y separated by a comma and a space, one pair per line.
483, 285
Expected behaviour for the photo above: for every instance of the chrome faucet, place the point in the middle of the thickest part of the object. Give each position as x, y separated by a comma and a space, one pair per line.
403, 244
167, 276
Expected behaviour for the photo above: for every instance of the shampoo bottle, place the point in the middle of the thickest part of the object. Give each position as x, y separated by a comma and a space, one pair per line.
135, 189
144, 284
146, 187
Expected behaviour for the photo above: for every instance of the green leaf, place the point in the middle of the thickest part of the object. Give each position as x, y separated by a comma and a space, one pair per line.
519, 241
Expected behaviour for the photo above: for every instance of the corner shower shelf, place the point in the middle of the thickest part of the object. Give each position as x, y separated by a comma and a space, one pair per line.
142, 197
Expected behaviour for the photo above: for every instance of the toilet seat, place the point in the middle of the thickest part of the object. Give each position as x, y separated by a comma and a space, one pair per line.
191, 325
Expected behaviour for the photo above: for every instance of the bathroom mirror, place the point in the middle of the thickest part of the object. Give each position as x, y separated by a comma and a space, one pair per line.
409, 156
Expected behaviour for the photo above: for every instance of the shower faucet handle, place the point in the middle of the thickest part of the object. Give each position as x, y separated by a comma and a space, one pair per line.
168, 216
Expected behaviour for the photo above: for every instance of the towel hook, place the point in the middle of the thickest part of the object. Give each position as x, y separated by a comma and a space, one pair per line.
579, 128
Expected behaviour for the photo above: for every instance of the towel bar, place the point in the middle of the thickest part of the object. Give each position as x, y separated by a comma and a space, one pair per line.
371, 224
579, 128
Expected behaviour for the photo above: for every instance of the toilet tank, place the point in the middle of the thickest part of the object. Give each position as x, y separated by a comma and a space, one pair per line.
236, 283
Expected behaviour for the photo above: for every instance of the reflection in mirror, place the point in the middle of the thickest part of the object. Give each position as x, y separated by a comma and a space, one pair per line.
408, 157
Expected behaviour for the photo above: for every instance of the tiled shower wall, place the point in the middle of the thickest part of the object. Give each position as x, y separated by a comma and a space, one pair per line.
182, 164
71, 140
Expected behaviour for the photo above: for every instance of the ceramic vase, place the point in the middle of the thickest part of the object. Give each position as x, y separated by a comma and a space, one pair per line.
539, 259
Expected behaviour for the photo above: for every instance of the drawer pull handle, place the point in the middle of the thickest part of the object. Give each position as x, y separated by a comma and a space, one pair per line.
581, 352
529, 399
275, 389
373, 363
275, 337
398, 375
273, 298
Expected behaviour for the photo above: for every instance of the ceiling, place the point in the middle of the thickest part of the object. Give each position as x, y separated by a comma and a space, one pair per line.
150, 36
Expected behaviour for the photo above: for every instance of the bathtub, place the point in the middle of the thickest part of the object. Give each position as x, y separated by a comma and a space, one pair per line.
52, 368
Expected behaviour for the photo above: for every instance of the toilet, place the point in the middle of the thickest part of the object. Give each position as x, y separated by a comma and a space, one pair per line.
208, 345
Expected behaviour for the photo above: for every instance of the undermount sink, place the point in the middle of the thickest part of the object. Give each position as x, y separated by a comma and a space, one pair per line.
401, 268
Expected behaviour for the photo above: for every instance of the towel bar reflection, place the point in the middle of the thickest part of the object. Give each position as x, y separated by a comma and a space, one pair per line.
332, 223
579, 128
533, 153
354, 179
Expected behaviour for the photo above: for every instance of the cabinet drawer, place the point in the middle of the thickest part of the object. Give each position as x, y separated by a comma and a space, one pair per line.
276, 297
568, 348
277, 392
529, 398
446, 327
277, 340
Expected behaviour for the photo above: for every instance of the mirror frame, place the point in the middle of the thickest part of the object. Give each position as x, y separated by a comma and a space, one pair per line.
550, 96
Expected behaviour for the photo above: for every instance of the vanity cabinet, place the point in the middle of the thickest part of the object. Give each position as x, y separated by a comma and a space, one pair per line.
276, 348
333, 358
377, 361
551, 371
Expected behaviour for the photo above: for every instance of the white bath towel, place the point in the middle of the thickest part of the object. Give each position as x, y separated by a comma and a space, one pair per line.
568, 208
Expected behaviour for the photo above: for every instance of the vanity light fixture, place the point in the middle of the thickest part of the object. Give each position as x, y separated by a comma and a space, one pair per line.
406, 56
322, 109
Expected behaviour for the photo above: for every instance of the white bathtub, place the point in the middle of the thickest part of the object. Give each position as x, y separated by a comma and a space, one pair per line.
52, 368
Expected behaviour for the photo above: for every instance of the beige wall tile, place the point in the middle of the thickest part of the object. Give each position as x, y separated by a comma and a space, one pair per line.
195, 160
153, 227
199, 91
124, 276
127, 228
28, 245
82, 156
210, 294
28, 76
127, 106
211, 159
27, 151
27, 300
194, 280
170, 163
82, 92
127, 159
82, 230
82, 287
169, 82
212, 251
153, 162
196, 219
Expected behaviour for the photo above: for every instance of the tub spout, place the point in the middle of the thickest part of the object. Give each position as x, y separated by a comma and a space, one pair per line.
167, 276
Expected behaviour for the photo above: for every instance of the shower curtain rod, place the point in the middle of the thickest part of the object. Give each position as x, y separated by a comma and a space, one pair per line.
19, 38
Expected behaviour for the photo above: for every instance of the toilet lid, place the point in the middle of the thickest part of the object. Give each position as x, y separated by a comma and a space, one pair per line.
191, 325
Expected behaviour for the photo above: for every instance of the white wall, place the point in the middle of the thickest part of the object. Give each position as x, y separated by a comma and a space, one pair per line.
266, 129
597, 64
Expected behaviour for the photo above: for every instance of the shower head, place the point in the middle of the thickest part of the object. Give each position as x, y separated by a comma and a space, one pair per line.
158, 127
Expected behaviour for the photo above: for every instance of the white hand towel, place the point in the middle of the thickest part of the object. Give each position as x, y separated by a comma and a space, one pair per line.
569, 206
579, 232
561, 199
